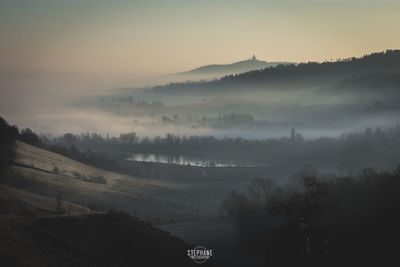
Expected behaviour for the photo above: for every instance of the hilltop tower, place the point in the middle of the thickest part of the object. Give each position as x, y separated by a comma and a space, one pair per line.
293, 134
253, 58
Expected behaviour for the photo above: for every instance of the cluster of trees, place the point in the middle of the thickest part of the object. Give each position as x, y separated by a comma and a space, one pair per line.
321, 221
225, 120
99, 160
137, 103
8, 135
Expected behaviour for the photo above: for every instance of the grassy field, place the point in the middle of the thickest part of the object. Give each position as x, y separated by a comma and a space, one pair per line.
185, 193
41, 177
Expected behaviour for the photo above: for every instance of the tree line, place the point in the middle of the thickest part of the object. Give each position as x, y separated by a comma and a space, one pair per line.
321, 221
368, 146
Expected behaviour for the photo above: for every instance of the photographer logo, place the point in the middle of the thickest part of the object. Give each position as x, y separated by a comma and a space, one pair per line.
199, 254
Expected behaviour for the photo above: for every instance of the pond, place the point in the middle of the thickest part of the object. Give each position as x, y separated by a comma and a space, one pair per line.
183, 160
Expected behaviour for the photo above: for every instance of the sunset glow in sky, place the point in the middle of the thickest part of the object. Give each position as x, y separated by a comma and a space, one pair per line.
154, 37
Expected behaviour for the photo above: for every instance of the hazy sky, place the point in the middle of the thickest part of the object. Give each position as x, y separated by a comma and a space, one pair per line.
53, 52
153, 37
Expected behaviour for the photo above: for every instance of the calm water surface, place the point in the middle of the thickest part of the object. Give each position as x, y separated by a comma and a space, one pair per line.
183, 160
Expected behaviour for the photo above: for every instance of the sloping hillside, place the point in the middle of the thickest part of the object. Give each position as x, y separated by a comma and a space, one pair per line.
19, 202
41, 177
107, 239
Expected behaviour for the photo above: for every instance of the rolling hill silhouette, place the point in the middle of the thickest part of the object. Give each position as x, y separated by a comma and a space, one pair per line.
233, 68
292, 76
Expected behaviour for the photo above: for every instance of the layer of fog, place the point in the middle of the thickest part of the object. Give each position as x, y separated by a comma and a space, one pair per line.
57, 103
46, 101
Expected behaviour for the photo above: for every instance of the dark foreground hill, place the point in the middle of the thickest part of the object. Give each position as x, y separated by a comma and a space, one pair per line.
102, 239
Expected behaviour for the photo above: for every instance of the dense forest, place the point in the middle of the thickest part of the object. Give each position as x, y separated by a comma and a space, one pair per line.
321, 221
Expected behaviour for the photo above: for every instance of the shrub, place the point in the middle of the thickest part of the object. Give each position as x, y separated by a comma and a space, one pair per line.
56, 170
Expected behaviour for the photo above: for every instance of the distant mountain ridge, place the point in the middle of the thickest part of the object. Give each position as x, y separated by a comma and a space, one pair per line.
295, 75
233, 68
